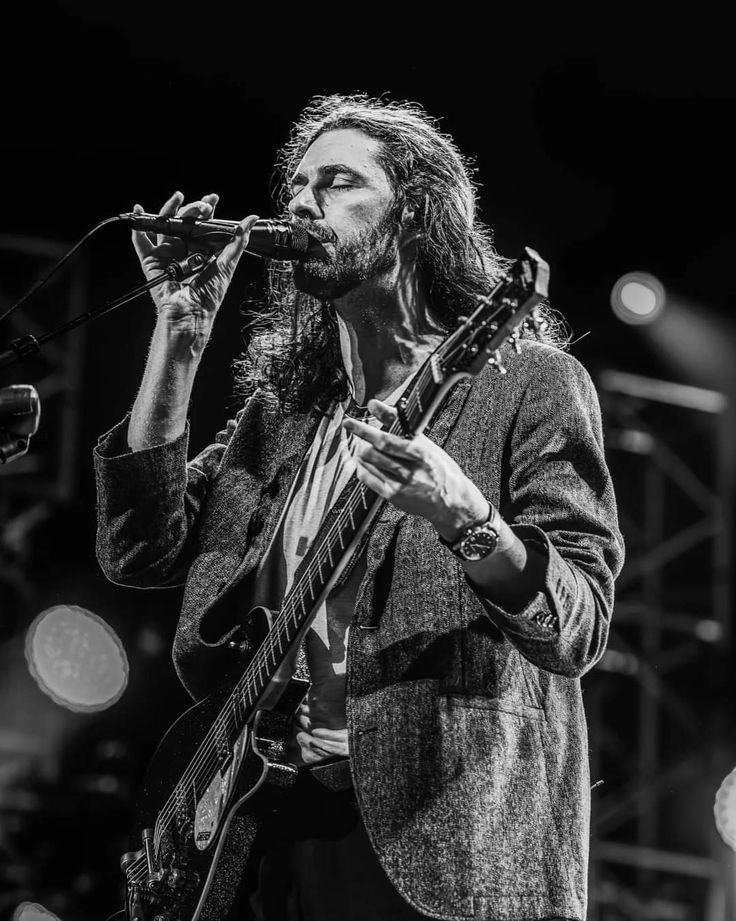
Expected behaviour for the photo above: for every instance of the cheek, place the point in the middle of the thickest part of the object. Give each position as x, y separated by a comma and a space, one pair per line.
356, 216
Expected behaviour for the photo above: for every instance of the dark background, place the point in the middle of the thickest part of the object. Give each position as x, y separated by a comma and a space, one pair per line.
605, 144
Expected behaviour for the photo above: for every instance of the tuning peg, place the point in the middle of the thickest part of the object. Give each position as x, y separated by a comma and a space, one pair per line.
538, 324
496, 364
514, 340
462, 320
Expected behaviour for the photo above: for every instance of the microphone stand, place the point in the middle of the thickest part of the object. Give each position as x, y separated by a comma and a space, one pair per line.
28, 346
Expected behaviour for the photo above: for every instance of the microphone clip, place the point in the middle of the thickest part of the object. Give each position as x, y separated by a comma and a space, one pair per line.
180, 270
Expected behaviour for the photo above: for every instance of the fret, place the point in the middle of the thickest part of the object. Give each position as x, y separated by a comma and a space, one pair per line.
291, 616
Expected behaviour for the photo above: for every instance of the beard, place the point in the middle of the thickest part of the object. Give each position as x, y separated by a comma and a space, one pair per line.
354, 261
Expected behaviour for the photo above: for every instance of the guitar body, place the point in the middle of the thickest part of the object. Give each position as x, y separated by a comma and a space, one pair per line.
211, 819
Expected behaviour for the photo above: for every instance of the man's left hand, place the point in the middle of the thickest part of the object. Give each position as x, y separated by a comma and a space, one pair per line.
415, 474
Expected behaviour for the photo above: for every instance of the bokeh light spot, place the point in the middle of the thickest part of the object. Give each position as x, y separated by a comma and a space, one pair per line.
32, 911
637, 298
724, 810
76, 658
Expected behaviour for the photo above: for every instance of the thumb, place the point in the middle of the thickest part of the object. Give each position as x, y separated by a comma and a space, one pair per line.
230, 256
142, 243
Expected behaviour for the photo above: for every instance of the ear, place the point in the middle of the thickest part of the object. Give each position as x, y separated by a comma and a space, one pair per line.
410, 232
407, 217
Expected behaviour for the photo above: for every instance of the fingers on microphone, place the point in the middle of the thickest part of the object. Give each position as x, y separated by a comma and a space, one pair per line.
211, 200
172, 204
197, 209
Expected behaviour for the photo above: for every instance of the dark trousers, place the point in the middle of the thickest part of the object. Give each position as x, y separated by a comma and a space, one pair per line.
314, 862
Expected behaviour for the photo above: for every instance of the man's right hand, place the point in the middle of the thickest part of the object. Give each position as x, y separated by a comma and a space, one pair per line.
190, 307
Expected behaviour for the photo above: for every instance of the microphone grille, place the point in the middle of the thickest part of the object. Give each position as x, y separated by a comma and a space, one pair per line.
299, 238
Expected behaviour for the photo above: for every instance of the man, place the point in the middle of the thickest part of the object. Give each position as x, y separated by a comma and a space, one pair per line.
447, 674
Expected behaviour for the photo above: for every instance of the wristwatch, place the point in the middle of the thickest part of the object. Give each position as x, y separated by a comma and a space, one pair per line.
475, 542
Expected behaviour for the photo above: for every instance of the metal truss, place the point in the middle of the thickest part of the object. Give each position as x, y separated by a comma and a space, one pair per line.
656, 750
33, 485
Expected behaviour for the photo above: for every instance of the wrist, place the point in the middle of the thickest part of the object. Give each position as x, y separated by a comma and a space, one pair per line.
182, 338
450, 528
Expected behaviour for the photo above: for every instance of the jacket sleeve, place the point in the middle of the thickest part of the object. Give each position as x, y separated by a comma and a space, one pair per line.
560, 498
148, 503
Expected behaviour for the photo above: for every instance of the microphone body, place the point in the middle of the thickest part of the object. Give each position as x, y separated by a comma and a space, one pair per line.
269, 238
20, 412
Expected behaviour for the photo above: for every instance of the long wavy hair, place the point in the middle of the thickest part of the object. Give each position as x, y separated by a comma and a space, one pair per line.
292, 341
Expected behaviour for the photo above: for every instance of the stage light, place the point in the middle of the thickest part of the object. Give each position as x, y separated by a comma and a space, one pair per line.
32, 911
724, 810
637, 298
76, 658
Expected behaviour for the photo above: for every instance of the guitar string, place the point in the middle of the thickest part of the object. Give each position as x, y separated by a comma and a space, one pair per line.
206, 756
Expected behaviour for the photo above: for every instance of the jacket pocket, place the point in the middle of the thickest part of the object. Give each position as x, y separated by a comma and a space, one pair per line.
500, 704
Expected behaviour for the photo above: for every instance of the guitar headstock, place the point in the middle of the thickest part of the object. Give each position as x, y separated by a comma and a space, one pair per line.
499, 317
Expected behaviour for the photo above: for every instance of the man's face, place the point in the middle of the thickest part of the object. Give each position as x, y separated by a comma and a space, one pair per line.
345, 197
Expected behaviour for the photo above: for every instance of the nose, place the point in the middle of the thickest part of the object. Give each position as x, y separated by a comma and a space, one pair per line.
305, 205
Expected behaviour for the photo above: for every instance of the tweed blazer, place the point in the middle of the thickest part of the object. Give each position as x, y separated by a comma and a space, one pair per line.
467, 734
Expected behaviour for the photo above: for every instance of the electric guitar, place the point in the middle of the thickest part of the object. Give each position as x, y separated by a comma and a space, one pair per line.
218, 771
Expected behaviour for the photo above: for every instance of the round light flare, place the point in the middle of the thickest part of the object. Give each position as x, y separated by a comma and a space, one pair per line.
724, 810
76, 658
637, 298
32, 911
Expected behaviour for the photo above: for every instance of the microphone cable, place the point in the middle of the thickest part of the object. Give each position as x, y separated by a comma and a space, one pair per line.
55, 267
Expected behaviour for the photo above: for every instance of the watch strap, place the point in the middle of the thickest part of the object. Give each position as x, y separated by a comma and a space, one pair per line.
488, 524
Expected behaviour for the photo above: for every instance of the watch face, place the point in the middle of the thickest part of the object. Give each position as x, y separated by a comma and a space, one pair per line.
478, 544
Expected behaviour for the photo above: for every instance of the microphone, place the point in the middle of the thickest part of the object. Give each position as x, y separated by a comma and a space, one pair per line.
20, 412
269, 238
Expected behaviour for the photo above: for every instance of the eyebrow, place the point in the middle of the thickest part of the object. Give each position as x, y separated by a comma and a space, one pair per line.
328, 170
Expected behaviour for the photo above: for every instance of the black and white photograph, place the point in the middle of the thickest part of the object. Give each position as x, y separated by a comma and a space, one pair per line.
367, 459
